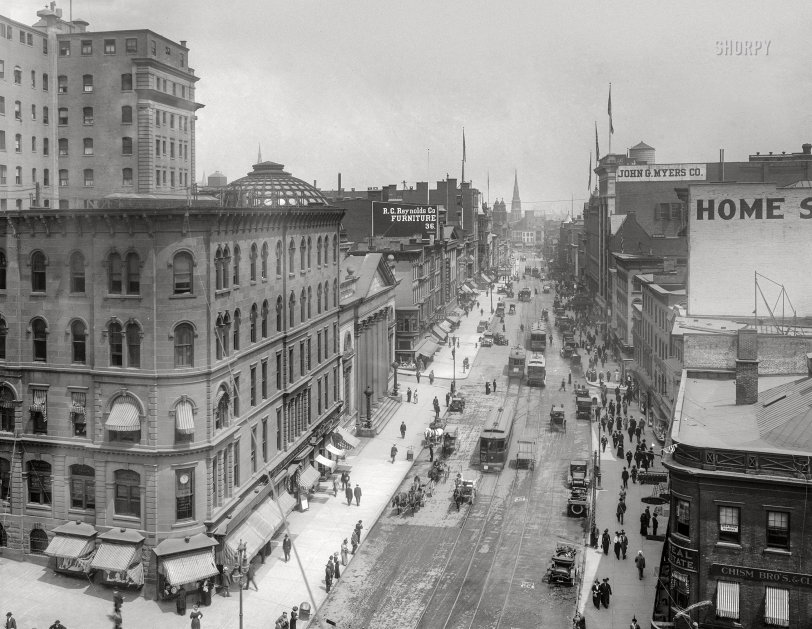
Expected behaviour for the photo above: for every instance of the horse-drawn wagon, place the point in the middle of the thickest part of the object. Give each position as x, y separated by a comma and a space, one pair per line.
464, 492
450, 440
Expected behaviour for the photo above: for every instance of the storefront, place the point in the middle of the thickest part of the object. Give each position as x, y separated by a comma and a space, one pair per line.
118, 558
184, 564
72, 548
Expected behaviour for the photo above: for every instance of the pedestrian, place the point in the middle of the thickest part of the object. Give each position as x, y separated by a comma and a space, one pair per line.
431, 453
196, 615
294, 616
629, 457
359, 526
354, 540
579, 621
403, 430
487, 388
634, 624
393, 453
286, 547
624, 475
616, 545
606, 592
348, 494
409, 395
11, 623
447, 399
328, 576
336, 569
335, 485
345, 552
634, 473
640, 562
494, 385
345, 479
205, 592
414, 396
225, 581
180, 601
436, 404
58, 625
596, 594
644, 520
250, 576
417, 375
624, 543
282, 622
620, 511
357, 490
604, 441
569, 378
605, 541
655, 524
563, 386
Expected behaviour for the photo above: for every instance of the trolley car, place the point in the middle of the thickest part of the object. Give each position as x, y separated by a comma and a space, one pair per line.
516, 362
538, 337
536, 371
494, 442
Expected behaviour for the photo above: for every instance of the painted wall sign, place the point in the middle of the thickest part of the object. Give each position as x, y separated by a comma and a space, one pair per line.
683, 558
761, 575
403, 219
662, 172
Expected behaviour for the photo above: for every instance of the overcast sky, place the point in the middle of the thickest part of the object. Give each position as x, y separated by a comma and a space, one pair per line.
380, 91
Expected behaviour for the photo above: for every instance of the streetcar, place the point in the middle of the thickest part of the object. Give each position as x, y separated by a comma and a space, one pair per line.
516, 362
538, 337
494, 441
536, 371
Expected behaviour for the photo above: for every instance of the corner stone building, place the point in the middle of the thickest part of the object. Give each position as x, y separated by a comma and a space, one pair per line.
166, 372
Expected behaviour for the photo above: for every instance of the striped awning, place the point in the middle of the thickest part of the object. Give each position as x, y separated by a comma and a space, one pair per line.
257, 529
114, 557
426, 348
184, 418
776, 607
465, 289
69, 546
727, 600
40, 402
308, 477
440, 333
445, 326
286, 502
351, 440
189, 567
124, 416
323, 460
333, 449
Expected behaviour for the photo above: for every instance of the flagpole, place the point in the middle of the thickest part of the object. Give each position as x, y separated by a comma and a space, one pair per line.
611, 129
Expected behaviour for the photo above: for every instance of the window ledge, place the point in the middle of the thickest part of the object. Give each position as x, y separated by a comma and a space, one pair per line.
777, 551
183, 296
131, 519
37, 295
117, 296
35, 506
222, 291
78, 511
729, 545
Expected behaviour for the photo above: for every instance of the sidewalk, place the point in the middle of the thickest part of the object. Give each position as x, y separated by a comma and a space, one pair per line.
37, 596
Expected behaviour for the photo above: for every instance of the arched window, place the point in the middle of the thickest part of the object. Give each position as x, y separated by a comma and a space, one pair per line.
235, 278
279, 313
78, 333
226, 263
38, 541
182, 273
254, 254
278, 258
184, 345
114, 274
218, 269
309, 252
39, 482
38, 272
292, 310
133, 274
133, 345
265, 309
39, 331
218, 338
254, 315
128, 493
309, 302
77, 272
235, 341
115, 335
335, 249
221, 408
292, 257
82, 487
303, 306
303, 254
264, 260
326, 295
335, 293
318, 299
318, 252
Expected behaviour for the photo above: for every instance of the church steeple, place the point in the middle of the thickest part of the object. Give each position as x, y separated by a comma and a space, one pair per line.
516, 202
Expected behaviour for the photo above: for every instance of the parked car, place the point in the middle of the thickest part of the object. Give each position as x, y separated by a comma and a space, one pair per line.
487, 339
482, 326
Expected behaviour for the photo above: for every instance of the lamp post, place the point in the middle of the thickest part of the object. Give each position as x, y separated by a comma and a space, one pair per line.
491, 297
454, 377
395, 386
241, 556
368, 392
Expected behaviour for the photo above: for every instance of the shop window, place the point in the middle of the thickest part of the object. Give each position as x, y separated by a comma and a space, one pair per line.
128, 493
778, 529
729, 524
38, 540
39, 482
185, 494
184, 345
82, 487
680, 589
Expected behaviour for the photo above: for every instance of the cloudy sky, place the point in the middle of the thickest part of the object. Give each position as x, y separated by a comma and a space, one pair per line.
380, 91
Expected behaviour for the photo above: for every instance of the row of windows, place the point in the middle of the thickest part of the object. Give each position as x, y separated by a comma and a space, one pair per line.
167, 119
6, 30
64, 175
110, 47
182, 152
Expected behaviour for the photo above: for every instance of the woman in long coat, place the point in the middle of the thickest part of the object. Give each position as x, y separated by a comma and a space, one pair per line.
345, 552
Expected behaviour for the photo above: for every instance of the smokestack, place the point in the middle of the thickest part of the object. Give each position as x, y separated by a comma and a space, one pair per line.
807, 149
747, 367
722, 162
339, 182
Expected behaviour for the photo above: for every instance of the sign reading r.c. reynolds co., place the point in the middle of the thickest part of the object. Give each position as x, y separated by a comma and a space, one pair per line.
760, 574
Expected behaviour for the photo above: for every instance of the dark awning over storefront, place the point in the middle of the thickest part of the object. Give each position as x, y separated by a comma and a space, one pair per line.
118, 550
256, 530
72, 540
347, 437
440, 333
286, 502
186, 560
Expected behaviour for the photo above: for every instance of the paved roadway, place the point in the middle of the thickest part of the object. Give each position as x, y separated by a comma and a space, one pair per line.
482, 566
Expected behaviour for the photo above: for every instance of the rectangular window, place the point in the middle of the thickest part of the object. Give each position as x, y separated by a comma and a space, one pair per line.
682, 517
64, 49
265, 439
87, 46
185, 494
264, 368
236, 462
253, 385
131, 45
278, 372
301, 357
318, 396
729, 524
318, 348
253, 449
278, 429
778, 529
109, 46
290, 365
236, 396
309, 354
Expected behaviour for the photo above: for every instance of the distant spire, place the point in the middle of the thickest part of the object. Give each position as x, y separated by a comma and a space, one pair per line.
203, 180
259, 153
516, 202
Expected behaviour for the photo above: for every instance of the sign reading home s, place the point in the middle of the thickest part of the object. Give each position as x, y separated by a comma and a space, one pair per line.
738, 230
398, 220
662, 172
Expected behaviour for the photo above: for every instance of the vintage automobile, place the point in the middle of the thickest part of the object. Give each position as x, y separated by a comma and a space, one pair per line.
512, 309
545, 288
557, 417
562, 570
578, 475
457, 404
499, 339
487, 339
482, 326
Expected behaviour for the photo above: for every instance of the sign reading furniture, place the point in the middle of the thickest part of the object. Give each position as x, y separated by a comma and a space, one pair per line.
397, 220
761, 575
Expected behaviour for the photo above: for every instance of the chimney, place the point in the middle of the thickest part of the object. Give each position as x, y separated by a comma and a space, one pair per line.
807, 149
339, 182
747, 367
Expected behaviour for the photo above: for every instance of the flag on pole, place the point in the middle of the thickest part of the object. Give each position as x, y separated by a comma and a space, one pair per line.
611, 127
597, 149
589, 189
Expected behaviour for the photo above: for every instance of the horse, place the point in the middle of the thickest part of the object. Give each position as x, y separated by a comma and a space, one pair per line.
401, 500
458, 497
433, 434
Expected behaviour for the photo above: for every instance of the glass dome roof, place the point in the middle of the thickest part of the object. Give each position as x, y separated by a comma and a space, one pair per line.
270, 186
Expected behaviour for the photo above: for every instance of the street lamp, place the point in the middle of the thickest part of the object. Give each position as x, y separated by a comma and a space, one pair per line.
368, 392
491, 297
454, 376
395, 368
241, 555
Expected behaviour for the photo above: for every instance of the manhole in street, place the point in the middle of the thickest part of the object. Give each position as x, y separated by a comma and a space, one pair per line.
520, 499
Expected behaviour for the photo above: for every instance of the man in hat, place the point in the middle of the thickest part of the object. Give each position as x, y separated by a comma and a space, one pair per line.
634, 624
640, 562
624, 542
294, 616
393, 453
328, 576
10, 622
59, 625
348, 494
282, 621
357, 490
403, 429
606, 592
286, 547
359, 526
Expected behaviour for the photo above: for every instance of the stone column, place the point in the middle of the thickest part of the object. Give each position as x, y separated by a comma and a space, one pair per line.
376, 381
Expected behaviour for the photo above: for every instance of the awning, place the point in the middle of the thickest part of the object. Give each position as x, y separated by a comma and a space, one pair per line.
184, 418
286, 502
487, 278
426, 348
453, 319
301, 456
69, 546
189, 567
323, 460
347, 437
446, 326
470, 284
727, 600
308, 477
464, 288
280, 477
114, 557
257, 529
124, 415
440, 333
333, 450
776, 607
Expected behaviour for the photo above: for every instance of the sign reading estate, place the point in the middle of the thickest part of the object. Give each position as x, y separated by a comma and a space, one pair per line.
397, 220
682, 558
662, 172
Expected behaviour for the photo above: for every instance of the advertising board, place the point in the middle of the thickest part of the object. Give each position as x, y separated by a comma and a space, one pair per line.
403, 220
662, 172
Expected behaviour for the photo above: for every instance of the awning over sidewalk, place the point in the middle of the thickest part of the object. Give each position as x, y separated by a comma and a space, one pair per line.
776, 607
189, 567
487, 278
440, 333
323, 460
118, 550
453, 319
308, 477
72, 540
470, 284
727, 599
445, 325
334, 450
426, 348
466, 289
286, 502
257, 529
351, 440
